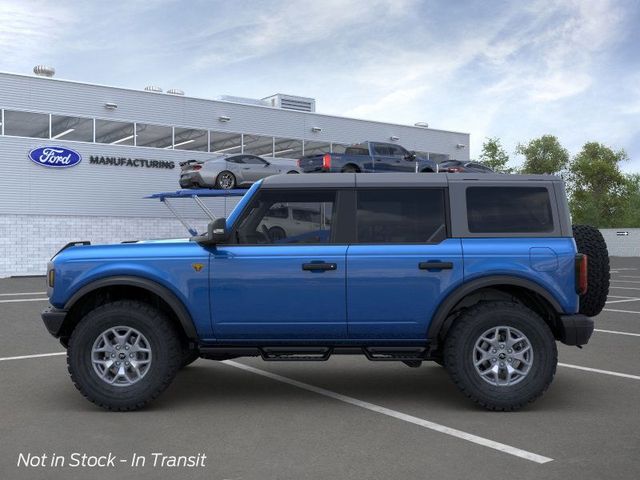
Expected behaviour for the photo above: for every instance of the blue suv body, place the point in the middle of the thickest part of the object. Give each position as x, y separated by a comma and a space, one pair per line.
478, 272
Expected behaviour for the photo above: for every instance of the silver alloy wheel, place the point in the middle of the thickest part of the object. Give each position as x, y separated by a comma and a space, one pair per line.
226, 180
121, 356
503, 356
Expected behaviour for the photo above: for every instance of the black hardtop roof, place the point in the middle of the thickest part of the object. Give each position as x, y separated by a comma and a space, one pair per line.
345, 180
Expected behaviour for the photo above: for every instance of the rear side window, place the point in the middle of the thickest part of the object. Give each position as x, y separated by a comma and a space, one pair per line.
401, 216
356, 151
509, 210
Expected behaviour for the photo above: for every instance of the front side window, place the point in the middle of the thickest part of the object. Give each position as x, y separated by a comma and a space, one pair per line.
401, 216
267, 220
509, 210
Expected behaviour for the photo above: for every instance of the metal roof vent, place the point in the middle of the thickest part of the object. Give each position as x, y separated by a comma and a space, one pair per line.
153, 88
175, 91
44, 71
292, 102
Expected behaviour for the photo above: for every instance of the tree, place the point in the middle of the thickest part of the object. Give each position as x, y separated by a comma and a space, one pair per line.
600, 193
494, 156
543, 155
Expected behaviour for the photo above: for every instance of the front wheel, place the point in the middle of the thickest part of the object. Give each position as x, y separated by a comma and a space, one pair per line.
123, 354
501, 355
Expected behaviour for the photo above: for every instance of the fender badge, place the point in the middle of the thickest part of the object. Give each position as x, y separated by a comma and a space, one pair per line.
197, 266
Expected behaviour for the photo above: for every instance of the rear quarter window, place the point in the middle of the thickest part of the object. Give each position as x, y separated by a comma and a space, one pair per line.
509, 210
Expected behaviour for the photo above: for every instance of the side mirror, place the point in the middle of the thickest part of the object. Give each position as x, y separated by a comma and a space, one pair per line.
217, 232
410, 156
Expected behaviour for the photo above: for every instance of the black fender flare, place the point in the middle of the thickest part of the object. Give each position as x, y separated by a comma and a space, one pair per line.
440, 317
178, 307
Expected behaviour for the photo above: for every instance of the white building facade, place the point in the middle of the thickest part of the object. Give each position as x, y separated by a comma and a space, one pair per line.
130, 144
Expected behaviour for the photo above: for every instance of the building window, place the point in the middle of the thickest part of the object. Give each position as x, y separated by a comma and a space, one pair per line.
26, 124
157, 136
509, 210
287, 148
225, 143
338, 147
258, 145
316, 148
71, 128
190, 139
400, 216
115, 133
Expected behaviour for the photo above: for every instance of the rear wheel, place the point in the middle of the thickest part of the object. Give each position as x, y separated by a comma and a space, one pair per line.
290, 172
123, 354
277, 234
501, 355
349, 169
589, 241
225, 180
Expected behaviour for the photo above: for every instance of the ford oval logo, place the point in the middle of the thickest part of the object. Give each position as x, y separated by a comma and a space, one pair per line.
57, 157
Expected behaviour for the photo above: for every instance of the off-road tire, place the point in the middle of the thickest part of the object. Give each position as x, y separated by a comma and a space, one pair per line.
589, 241
460, 344
164, 343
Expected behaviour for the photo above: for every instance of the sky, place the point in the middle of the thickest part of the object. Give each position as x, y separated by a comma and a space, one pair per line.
513, 70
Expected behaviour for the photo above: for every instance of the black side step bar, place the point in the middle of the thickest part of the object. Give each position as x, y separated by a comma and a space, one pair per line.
292, 354
391, 354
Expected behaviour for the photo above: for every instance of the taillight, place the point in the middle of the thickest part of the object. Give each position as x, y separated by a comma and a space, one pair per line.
582, 281
299, 162
326, 161
455, 169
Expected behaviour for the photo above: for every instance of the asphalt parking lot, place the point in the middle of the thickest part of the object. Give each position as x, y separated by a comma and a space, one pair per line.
347, 418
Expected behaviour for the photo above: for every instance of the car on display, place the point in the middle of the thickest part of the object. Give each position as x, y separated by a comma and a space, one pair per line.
368, 157
481, 273
460, 166
229, 171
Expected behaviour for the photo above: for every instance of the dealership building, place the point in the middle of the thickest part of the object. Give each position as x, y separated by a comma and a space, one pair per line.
127, 144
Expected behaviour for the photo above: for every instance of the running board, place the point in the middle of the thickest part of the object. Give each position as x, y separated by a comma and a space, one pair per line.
295, 353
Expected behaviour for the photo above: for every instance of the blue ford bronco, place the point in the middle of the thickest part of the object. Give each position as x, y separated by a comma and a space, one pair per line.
481, 273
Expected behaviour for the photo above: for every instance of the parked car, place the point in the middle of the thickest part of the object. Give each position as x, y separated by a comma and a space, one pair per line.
284, 223
480, 273
368, 157
229, 171
459, 166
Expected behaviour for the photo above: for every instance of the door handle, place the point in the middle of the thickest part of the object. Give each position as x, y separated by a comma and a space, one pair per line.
315, 267
435, 265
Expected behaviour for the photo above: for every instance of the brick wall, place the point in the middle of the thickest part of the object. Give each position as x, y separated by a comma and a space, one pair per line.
27, 242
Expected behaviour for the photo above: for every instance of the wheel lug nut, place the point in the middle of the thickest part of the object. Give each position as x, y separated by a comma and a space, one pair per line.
494, 359
502, 346
117, 347
113, 355
117, 363
502, 364
131, 355
127, 347
494, 351
509, 360
509, 350
127, 363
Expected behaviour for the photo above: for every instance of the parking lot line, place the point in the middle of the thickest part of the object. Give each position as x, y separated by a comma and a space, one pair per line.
619, 311
617, 332
38, 355
626, 281
17, 300
628, 276
485, 442
597, 370
625, 300
623, 288
24, 293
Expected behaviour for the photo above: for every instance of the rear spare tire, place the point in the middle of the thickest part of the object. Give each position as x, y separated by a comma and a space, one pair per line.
589, 241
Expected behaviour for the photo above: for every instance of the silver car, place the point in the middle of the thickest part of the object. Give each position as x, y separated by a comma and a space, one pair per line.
229, 171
